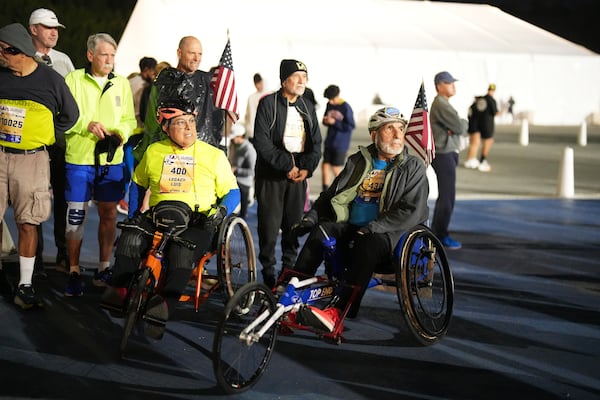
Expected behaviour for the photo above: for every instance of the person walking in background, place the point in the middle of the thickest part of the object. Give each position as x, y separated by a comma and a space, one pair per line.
339, 119
252, 105
446, 127
287, 139
482, 113
36, 106
43, 25
242, 157
107, 119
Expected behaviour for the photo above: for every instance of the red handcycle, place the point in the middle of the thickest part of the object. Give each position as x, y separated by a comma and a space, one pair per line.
246, 334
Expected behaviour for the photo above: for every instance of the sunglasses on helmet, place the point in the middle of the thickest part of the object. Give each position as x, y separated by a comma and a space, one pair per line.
392, 112
13, 51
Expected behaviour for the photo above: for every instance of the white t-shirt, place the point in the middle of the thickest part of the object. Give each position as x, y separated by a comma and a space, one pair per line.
294, 135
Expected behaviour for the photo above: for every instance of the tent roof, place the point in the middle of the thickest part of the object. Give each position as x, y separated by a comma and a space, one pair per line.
364, 46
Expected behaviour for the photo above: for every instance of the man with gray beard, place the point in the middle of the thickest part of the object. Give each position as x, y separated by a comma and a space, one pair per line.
381, 193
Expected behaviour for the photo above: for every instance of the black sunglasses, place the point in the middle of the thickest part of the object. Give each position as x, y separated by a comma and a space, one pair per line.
13, 51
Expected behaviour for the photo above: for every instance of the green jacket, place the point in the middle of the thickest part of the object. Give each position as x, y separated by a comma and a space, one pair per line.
111, 105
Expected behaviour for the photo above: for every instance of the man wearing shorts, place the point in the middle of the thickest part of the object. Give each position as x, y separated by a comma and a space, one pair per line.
339, 120
107, 116
35, 105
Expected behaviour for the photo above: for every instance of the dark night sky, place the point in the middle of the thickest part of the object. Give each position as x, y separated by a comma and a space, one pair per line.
574, 20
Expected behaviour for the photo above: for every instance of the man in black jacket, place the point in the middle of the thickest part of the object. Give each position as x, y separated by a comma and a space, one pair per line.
287, 139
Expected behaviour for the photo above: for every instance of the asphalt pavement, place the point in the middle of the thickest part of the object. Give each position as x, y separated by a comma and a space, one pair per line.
526, 321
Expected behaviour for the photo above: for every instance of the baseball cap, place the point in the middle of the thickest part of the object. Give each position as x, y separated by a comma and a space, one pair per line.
444, 76
237, 130
45, 17
17, 36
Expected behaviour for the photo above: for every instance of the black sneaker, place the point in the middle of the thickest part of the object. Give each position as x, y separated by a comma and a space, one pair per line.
102, 278
157, 313
74, 285
26, 297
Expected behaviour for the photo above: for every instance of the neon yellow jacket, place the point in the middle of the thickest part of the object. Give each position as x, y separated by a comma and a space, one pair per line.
111, 105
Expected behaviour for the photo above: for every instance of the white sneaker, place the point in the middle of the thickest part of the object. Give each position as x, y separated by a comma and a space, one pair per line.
484, 166
472, 163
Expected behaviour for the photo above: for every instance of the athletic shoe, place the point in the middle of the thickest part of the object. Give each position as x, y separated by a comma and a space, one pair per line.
322, 320
102, 278
157, 313
450, 243
484, 166
26, 297
74, 285
472, 163
123, 207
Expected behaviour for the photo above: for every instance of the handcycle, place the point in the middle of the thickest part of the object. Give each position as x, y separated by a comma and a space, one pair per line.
246, 334
236, 265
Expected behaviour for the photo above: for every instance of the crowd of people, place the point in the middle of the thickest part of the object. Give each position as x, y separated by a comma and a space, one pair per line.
91, 138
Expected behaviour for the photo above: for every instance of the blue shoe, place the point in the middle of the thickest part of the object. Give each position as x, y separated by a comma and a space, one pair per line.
102, 278
450, 243
74, 285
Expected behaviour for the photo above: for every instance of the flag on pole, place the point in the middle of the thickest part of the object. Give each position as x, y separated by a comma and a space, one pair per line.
418, 134
223, 85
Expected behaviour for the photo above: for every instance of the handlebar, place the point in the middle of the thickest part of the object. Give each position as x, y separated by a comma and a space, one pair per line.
167, 235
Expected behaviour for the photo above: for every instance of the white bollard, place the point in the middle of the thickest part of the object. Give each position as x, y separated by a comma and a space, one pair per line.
433, 185
582, 140
524, 136
566, 175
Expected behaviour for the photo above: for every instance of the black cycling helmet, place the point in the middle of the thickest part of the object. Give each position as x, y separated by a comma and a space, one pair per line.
170, 109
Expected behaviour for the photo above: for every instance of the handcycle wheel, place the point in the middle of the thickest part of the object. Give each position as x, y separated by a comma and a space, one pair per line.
425, 286
236, 258
240, 358
135, 302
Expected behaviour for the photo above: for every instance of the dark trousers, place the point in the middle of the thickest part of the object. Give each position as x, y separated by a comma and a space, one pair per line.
133, 245
280, 205
362, 255
444, 165
244, 199
57, 181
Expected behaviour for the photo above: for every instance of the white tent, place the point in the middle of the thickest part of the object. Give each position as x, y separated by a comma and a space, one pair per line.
383, 47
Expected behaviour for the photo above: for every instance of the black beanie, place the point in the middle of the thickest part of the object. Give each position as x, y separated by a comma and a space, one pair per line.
288, 67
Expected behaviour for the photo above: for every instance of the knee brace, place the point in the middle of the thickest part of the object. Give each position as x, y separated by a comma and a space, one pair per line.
76, 212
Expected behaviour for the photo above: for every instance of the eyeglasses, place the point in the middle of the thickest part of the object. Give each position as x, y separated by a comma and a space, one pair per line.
184, 123
13, 51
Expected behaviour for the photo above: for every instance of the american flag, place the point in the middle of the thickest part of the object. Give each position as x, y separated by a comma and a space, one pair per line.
418, 134
223, 84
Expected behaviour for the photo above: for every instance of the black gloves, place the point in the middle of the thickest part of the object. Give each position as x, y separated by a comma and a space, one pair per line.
306, 224
215, 220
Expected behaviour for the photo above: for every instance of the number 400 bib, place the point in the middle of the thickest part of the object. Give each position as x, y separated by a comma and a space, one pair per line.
177, 174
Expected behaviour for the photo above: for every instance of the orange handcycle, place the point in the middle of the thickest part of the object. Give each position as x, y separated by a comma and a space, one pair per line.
235, 266
246, 334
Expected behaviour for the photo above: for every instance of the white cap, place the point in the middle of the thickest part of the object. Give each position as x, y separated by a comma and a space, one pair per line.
237, 130
45, 17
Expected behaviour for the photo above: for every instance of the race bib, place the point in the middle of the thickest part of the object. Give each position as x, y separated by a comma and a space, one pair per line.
11, 123
177, 174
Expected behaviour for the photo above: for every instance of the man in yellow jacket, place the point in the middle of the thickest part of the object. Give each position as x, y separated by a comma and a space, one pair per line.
94, 154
